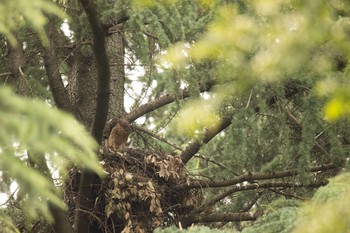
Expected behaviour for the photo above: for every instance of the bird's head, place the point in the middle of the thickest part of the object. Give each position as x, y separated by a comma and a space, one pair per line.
125, 124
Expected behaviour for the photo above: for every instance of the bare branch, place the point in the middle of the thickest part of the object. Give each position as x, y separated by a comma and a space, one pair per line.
187, 220
250, 177
57, 88
162, 101
197, 143
5, 74
295, 121
253, 186
288, 195
209, 134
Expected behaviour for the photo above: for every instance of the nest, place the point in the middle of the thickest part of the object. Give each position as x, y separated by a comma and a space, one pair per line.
138, 193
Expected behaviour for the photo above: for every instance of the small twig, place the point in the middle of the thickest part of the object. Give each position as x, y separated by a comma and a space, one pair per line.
156, 136
35, 225
11, 197
93, 215
249, 99
5, 74
150, 35
287, 194
298, 124
252, 203
211, 160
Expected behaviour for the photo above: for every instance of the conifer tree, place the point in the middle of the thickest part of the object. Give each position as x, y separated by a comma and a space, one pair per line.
237, 113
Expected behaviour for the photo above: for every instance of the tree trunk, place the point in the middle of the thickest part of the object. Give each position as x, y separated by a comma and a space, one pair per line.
82, 86
116, 53
18, 61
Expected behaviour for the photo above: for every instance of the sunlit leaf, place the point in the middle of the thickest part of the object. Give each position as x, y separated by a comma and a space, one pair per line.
196, 116
328, 211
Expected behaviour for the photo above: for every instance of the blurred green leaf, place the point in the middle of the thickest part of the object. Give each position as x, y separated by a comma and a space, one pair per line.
196, 115
30, 126
16, 13
328, 211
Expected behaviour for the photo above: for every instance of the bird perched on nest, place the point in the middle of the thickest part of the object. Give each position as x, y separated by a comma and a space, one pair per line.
118, 133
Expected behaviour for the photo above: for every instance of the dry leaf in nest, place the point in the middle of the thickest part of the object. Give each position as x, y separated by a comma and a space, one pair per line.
136, 194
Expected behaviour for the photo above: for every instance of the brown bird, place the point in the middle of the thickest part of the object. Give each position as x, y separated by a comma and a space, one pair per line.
119, 134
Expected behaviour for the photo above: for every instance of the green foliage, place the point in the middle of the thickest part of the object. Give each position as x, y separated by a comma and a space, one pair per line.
31, 135
195, 119
16, 13
6, 223
248, 46
329, 209
326, 212
282, 218
271, 40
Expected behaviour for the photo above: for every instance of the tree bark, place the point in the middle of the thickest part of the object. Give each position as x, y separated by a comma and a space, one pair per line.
17, 67
85, 199
209, 134
58, 90
82, 86
116, 53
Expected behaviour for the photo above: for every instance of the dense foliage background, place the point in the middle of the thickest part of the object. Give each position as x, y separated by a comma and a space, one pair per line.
239, 112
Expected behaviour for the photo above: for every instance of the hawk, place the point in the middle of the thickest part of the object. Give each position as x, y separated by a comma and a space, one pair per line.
119, 134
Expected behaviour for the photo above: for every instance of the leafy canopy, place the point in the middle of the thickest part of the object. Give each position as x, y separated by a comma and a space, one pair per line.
274, 40
329, 209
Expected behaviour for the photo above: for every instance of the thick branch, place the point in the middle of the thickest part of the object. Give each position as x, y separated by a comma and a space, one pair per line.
162, 101
250, 177
188, 220
103, 73
85, 195
116, 53
5, 74
253, 186
57, 88
197, 143
210, 133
